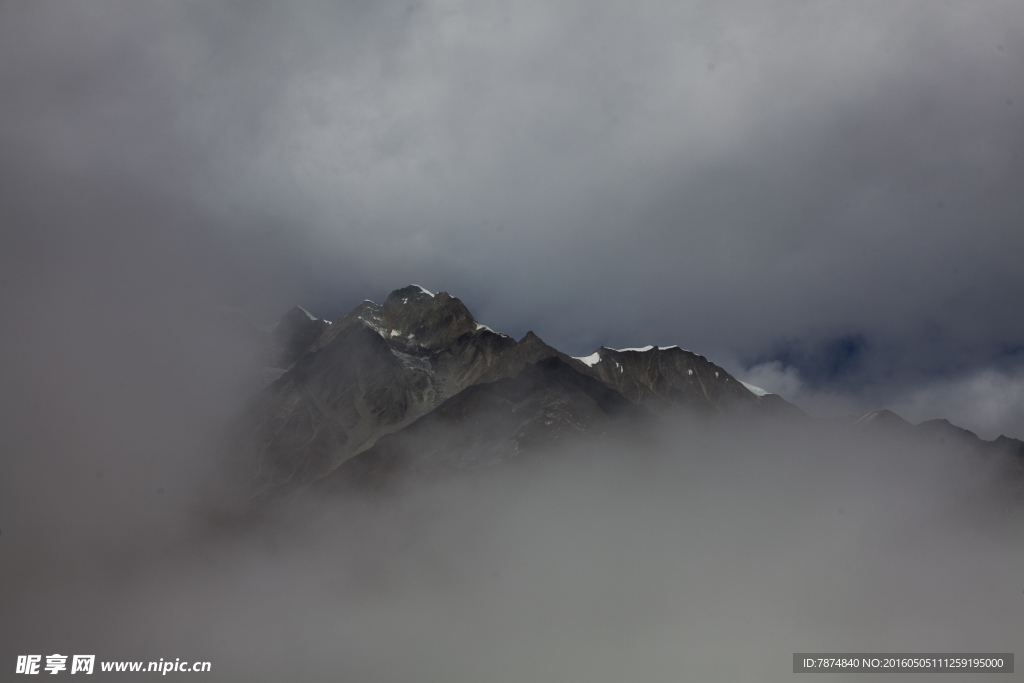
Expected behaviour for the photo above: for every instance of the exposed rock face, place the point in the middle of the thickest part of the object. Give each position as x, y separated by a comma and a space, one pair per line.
372, 373
545, 404
660, 378
335, 402
429, 320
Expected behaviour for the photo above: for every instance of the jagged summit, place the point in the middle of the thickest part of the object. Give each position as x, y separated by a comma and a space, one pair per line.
423, 290
371, 373
432, 320
382, 367
452, 393
412, 317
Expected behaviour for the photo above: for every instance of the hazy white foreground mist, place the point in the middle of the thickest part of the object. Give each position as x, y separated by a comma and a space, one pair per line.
707, 553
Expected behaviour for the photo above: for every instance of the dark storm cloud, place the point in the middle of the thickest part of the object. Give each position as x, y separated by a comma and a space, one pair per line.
735, 178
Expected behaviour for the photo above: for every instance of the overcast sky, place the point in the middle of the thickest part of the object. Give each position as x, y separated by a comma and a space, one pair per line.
826, 198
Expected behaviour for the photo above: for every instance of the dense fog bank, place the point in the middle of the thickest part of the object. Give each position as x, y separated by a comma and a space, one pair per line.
709, 552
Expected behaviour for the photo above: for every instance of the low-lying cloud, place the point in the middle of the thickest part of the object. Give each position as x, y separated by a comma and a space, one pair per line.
989, 403
707, 552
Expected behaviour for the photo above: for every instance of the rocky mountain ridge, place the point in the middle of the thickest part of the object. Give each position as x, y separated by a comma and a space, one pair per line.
379, 368
417, 383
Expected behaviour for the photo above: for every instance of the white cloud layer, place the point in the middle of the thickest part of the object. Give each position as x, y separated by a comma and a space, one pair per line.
988, 403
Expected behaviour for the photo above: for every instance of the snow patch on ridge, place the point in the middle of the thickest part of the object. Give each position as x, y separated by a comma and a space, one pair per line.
646, 348
481, 326
591, 360
756, 391
308, 314
375, 326
424, 290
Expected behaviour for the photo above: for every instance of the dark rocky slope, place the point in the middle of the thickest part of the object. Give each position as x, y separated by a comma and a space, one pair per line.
547, 404
368, 374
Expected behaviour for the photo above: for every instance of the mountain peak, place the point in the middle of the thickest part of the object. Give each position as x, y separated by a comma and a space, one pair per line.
531, 338
413, 293
433, 320
884, 418
297, 331
380, 368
